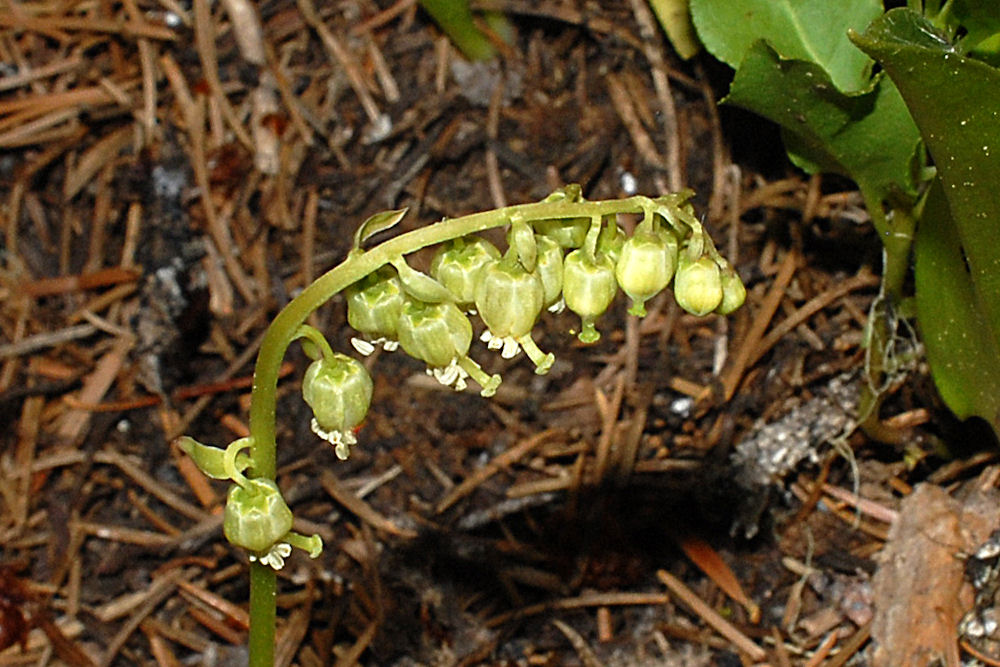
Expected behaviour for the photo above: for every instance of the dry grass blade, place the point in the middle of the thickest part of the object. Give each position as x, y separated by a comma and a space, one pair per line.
581, 602
748, 346
95, 157
61, 24
159, 591
626, 111
743, 643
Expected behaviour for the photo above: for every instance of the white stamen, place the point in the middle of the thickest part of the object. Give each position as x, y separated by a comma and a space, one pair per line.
510, 348
363, 347
451, 375
340, 440
275, 556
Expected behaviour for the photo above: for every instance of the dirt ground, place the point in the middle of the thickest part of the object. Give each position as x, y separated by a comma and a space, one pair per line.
685, 492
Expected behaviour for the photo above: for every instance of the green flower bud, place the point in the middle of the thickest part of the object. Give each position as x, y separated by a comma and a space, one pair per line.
697, 285
549, 268
645, 266
734, 293
458, 264
589, 287
509, 298
256, 515
567, 232
374, 303
435, 333
339, 391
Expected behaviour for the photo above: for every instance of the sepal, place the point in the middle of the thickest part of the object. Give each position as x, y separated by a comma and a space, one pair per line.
734, 292
374, 304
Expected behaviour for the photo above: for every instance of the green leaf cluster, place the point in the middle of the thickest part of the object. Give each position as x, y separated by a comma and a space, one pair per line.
954, 101
921, 138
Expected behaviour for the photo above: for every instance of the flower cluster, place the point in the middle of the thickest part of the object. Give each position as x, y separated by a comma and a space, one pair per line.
579, 263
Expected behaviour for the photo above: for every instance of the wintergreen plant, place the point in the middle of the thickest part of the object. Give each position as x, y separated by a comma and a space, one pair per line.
390, 303
921, 138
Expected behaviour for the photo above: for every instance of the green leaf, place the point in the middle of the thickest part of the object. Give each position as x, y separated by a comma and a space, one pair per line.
955, 103
377, 223
811, 30
868, 136
455, 18
963, 356
981, 21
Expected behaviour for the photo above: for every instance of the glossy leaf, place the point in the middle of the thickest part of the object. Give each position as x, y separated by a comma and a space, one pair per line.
868, 137
955, 103
963, 356
813, 31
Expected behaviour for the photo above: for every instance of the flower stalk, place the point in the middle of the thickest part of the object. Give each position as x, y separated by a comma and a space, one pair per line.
338, 386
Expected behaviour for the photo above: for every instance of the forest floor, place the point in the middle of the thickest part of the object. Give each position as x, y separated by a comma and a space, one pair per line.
687, 491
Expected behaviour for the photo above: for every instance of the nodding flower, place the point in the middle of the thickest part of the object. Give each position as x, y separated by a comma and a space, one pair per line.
459, 263
509, 300
589, 287
440, 335
698, 284
373, 306
339, 391
646, 265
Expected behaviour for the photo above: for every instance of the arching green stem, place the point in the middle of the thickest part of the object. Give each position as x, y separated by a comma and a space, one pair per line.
285, 328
